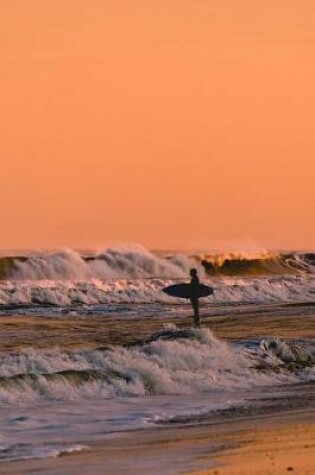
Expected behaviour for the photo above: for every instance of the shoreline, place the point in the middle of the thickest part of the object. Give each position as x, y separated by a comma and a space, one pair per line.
210, 444
247, 445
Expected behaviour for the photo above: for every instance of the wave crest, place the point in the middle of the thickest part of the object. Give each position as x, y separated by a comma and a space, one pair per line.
265, 263
136, 262
171, 362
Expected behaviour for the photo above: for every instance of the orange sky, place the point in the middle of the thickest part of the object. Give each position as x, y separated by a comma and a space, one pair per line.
171, 123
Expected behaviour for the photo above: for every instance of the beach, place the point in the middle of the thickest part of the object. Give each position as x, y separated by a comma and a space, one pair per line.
259, 445
272, 432
157, 256
280, 445
109, 375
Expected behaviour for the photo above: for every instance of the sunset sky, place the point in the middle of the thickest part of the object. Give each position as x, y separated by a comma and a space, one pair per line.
170, 123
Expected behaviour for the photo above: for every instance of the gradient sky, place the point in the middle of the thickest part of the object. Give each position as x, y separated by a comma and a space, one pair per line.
170, 123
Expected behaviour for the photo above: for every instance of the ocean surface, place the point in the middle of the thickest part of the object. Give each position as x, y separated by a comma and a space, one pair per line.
57, 399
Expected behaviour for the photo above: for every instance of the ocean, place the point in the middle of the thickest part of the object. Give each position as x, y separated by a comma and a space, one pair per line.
91, 347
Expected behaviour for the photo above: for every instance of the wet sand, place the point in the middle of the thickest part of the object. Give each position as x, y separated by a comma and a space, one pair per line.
286, 446
270, 442
259, 445
227, 323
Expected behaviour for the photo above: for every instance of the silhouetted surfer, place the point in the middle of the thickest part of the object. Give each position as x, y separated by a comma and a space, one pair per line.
194, 283
192, 291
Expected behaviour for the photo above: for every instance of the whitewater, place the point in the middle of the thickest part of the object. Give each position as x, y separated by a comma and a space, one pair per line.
91, 346
134, 275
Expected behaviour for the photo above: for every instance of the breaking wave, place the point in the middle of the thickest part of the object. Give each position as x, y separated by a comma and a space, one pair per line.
128, 262
137, 262
17, 294
133, 275
170, 362
264, 263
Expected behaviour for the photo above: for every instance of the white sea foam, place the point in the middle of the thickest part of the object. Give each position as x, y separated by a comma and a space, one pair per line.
91, 292
52, 428
13, 452
174, 376
173, 363
135, 275
130, 387
115, 262
135, 261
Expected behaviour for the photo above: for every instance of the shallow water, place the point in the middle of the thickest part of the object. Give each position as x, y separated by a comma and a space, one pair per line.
91, 347
56, 400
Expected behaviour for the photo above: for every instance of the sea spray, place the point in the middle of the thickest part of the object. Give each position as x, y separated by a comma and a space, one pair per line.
117, 262
136, 262
95, 292
172, 362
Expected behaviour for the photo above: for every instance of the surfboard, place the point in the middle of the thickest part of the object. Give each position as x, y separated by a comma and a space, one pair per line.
186, 291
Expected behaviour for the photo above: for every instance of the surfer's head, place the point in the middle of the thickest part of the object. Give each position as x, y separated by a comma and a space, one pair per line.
193, 272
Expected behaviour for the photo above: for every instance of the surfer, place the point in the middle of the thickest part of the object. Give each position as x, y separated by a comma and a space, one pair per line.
194, 284
192, 291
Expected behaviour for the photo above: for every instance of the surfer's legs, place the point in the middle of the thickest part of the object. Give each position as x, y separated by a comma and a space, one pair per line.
195, 306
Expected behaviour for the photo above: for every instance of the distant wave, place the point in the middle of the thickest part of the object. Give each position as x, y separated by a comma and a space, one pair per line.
127, 262
133, 275
262, 264
170, 362
136, 262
